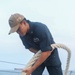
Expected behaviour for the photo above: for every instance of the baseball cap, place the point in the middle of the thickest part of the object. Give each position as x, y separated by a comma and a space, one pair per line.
14, 22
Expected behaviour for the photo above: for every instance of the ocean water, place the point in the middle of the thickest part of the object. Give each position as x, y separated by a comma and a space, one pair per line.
16, 72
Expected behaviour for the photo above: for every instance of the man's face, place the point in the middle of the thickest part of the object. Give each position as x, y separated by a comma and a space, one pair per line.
22, 30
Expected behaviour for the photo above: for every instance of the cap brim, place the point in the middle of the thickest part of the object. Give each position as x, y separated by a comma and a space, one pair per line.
14, 29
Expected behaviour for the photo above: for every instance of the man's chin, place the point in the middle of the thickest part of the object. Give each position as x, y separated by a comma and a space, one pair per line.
22, 34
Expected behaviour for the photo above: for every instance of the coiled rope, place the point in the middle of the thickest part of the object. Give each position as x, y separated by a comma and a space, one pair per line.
37, 55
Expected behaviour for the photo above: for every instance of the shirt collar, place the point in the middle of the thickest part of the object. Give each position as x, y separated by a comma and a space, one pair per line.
31, 27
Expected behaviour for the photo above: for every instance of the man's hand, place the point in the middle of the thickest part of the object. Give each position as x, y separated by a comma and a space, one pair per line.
33, 50
28, 71
41, 59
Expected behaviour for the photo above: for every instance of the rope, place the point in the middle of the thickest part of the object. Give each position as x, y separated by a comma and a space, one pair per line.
37, 55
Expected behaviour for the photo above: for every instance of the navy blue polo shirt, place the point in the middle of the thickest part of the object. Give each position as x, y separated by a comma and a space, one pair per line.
40, 38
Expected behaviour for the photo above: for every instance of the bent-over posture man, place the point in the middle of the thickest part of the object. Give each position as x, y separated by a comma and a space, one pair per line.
36, 36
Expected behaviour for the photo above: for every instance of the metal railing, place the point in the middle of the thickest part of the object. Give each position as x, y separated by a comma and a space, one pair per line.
17, 72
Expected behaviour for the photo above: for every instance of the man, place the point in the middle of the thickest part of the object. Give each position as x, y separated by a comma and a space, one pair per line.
36, 36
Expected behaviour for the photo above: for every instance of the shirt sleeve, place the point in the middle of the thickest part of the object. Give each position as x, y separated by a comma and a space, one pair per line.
45, 37
45, 45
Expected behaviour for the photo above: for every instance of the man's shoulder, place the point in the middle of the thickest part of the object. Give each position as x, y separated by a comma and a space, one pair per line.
39, 25
36, 24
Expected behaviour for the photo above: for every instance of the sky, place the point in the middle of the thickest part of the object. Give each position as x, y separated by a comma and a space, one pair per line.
58, 15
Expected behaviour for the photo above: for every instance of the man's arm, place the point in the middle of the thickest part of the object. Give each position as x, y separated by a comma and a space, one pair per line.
33, 50
41, 59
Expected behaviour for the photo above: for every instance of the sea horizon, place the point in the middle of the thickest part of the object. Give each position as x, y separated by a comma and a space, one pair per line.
18, 72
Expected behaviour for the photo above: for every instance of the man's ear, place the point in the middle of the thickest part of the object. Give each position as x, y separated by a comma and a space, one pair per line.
24, 22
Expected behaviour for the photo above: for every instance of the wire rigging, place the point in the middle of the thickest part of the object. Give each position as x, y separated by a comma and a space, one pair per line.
11, 62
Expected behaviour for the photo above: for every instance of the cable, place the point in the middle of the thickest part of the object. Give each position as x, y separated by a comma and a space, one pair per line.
11, 62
